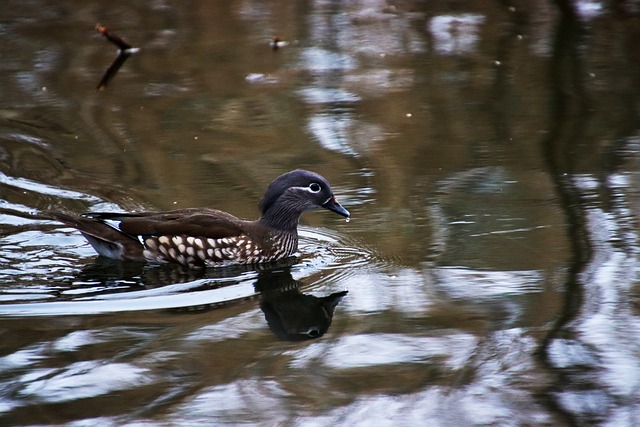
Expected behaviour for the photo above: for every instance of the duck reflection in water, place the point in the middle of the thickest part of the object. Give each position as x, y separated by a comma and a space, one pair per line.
290, 314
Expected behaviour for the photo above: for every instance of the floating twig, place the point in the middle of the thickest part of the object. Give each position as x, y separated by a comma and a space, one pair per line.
112, 37
124, 51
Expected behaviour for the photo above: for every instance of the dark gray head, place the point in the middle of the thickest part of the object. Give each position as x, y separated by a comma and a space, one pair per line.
294, 192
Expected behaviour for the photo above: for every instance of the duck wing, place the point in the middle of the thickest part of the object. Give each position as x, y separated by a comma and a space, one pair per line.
209, 223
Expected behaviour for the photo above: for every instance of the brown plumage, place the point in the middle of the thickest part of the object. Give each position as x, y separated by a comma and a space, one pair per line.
199, 237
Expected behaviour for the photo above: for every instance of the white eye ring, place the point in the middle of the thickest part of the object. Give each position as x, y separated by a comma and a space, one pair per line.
314, 187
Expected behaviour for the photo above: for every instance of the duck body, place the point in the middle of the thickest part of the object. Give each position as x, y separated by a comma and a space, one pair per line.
202, 237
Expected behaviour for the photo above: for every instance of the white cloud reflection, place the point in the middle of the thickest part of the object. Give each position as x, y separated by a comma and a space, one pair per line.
455, 34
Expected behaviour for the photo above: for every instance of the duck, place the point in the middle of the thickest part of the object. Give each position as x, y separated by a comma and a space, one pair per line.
205, 237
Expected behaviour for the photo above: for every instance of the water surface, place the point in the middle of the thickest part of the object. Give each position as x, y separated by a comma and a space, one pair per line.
488, 154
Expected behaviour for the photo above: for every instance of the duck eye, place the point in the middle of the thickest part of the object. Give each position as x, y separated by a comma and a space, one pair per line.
314, 187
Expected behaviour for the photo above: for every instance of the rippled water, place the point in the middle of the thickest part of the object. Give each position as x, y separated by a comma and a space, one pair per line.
100, 285
488, 153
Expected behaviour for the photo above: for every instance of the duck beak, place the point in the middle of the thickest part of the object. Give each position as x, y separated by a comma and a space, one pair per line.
333, 205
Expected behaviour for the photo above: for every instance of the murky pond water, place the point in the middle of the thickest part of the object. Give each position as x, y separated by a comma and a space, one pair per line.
487, 151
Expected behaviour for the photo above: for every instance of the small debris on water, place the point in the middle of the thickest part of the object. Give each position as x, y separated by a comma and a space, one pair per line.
277, 43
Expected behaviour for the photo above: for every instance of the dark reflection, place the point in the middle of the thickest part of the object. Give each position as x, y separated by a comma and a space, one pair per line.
123, 55
569, 115
108, 273
292, 315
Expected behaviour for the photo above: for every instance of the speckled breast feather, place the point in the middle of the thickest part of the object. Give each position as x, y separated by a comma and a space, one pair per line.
200, 251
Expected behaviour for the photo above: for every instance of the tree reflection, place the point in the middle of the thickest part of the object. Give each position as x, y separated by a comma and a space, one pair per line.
586, 389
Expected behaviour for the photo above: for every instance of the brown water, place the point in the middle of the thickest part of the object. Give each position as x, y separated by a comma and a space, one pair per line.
488, 153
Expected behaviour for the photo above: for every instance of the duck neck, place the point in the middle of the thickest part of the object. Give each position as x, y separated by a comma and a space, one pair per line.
281, 216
